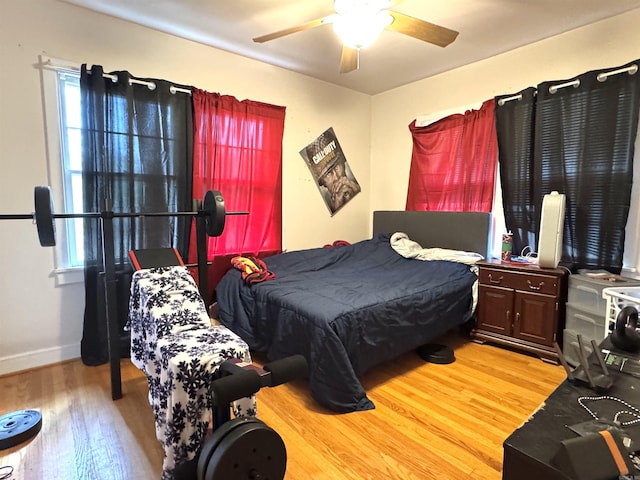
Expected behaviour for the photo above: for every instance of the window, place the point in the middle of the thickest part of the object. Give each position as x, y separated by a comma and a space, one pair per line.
238, 151
61, 102
578, 141
71, 162
453, 162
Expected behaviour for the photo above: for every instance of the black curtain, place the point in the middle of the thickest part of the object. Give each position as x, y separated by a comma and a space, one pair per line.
515, 116
584, 132
137, 150
584, 148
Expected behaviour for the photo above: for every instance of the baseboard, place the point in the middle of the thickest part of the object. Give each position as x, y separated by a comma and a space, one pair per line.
38, 358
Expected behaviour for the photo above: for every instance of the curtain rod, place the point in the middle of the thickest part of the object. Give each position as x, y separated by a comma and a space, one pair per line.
150, 85
632, 69
602, 77
502, 101
573, 83
114, 78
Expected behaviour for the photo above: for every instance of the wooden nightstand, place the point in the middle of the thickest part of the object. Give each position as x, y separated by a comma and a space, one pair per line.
521, 306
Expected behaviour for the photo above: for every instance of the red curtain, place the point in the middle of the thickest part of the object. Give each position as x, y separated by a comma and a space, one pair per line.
453, 163
238, 151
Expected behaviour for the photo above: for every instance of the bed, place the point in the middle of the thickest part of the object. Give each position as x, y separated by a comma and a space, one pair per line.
351, 307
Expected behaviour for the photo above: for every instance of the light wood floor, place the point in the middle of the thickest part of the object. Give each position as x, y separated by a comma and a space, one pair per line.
443, 422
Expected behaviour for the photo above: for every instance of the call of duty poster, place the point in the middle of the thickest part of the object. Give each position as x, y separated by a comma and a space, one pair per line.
330, 170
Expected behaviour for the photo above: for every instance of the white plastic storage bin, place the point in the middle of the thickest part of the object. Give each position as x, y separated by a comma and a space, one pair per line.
586, 292
570, 347
586, 322
617, 298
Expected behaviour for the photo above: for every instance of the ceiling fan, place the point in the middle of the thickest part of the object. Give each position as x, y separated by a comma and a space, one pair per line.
359, 22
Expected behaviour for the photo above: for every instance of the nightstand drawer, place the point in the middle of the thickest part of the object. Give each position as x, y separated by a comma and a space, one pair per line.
497, 278
528, 282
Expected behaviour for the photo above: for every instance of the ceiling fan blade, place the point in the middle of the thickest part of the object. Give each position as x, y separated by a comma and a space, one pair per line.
289, 31
425, 31
349, 60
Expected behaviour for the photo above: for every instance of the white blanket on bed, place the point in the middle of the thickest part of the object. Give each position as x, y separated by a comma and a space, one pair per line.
406, 247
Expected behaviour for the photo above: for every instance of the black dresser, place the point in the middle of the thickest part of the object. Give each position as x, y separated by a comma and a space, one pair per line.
529, 450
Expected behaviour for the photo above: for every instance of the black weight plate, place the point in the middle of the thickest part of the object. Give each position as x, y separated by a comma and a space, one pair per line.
251, 450
44, 216
214, 440
19, 426
436, 353
215, 212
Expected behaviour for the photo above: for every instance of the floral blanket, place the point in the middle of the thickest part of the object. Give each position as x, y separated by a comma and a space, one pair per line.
179, 351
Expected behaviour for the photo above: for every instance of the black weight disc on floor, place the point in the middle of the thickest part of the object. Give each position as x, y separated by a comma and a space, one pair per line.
19, 426
436, 353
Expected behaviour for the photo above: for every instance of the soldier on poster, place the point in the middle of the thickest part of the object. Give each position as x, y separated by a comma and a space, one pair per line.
330, 170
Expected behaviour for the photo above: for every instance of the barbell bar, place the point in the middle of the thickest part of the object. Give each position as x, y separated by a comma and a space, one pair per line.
210, 220
213, 210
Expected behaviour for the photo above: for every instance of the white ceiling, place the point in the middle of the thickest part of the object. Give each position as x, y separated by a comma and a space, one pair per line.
487, 28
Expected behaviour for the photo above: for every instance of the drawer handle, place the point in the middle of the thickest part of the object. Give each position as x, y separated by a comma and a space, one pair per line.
497, 282
535, 287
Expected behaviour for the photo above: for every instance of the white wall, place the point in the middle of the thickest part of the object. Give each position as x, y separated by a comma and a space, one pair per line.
41, 321
605, 44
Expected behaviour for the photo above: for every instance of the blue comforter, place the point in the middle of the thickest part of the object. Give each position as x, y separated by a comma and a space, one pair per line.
346, 309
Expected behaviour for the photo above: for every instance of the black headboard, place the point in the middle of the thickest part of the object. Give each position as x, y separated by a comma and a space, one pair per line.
467, 231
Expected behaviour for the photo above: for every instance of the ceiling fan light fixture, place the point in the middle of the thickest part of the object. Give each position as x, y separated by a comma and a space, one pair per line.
359, 22
359, 28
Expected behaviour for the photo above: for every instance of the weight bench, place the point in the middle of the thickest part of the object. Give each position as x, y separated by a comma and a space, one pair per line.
174, 344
